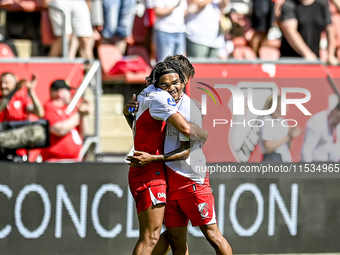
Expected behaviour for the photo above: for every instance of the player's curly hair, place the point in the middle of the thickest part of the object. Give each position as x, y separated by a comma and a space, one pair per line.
158, 71
184, 63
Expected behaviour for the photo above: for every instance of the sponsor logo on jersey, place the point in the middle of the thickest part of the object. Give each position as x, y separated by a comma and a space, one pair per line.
160, 195
144, 94
203, 208
171, 101
171, 133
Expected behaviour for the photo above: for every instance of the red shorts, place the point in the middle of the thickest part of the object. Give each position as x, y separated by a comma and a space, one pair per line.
200, 210
149, 193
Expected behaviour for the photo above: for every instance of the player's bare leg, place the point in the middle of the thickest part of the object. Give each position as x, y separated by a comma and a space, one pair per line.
150, 225
178, 240
216, 239
163, 245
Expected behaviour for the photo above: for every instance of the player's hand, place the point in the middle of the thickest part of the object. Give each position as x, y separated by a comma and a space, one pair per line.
132, 104
140, 158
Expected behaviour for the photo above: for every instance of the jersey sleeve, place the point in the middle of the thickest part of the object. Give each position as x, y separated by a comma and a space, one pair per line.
194, 116
162, 106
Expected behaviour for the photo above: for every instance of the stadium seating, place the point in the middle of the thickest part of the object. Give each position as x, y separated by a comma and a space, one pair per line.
109, 55
269, 53
6, 51
244, 52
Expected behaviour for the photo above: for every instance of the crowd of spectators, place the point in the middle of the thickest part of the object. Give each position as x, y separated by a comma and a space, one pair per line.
18, 99
197, 28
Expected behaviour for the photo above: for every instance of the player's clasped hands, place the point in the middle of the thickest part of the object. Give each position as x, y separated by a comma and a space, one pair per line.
139, 159
131, 106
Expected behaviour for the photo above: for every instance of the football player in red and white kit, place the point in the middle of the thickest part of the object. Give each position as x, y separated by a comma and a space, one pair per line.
148, 183
189, 195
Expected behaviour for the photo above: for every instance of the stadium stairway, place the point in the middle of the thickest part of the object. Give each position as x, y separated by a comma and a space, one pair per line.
116, 138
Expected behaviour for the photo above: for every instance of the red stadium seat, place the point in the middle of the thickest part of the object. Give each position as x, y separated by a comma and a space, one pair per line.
274, 43
269, 53
244, 52
239, 41
140, 51
109, 55
6, 51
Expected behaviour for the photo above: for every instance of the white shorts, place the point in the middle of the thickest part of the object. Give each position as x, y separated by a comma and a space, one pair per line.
78, 18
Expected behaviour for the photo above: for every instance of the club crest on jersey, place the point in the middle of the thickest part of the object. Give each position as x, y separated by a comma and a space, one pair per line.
171, 102
203, 208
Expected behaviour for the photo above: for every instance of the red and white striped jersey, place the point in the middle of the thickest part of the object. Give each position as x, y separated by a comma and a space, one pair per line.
155, 107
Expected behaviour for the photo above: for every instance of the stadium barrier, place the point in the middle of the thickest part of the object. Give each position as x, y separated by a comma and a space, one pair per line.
87, 208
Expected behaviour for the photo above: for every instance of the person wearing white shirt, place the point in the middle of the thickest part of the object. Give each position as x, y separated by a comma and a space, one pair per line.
204, 38
169, 27
275, 139
321, 136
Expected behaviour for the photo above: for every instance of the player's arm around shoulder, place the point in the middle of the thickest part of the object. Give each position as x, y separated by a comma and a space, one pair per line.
193, 128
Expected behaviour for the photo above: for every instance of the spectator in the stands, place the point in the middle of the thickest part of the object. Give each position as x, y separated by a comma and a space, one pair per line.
170, 28
78, 22
118, 22
204, 38
65, 139
17, 100
263, 17
302, 22
97, 21
234, 24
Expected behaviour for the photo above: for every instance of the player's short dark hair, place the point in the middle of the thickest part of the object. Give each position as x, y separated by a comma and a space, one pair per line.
158, 71
187, 68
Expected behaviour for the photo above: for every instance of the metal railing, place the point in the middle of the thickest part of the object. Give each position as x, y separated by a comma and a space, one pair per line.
93, 74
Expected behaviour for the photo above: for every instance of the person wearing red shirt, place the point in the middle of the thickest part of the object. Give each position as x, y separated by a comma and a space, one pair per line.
17, 100
65, 140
